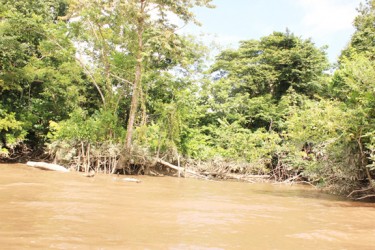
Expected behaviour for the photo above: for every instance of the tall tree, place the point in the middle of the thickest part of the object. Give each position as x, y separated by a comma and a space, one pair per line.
353, 84
250, 81
126, 39
272, 65
363, 39
148, 15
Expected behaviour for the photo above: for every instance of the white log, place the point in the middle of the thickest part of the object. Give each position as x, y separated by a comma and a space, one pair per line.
167, 164
47, 166
131, 180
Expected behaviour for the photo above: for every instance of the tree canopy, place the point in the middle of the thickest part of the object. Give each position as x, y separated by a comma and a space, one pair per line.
272, 65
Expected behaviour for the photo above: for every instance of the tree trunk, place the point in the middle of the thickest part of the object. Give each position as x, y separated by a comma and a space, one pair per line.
137, 81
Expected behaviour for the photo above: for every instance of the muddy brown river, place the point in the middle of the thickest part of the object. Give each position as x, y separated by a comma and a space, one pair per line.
49, 210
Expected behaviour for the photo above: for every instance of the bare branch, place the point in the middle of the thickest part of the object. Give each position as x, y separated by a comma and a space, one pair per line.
92, 78
366, 196
121, 79
359, 191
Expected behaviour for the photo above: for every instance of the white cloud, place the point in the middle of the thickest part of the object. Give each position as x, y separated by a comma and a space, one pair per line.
324, 17
327, 22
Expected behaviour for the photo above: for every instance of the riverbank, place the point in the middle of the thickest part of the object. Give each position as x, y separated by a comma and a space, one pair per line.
215, 171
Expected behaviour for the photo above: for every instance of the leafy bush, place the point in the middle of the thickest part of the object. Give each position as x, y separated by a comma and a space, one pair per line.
11, 133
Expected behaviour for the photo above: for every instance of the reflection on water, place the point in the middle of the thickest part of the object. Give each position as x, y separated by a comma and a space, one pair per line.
41, 209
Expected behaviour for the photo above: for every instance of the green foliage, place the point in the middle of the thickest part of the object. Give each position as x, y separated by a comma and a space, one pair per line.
267, 102
11, 132
371, 148
272, 65
363, 39
128, 46
250, 83
317, 122
354, 83
39, 79
102, 126
173, 104
234, 142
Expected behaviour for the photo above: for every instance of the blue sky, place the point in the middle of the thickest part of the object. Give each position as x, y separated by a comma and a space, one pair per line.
326, 22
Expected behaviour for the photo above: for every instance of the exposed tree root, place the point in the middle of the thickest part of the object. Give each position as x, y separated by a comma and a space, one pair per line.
362, 194
366, 197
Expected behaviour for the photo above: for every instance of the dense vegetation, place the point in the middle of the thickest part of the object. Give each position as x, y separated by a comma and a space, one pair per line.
112, 85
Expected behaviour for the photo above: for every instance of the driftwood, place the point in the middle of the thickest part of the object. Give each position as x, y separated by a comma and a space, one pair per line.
153, 173
366, 197
47, 166
180, 169
210, 175
130, 180
365, 194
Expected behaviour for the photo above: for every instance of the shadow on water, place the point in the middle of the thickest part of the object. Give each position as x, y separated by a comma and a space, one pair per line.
308, 192
298, 191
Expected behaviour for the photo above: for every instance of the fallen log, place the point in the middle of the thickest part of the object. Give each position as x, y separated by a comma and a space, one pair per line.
153, 173
47, 166
180, 169
130, 180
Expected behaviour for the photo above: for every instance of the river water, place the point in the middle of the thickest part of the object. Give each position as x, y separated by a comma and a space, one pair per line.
50, 210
